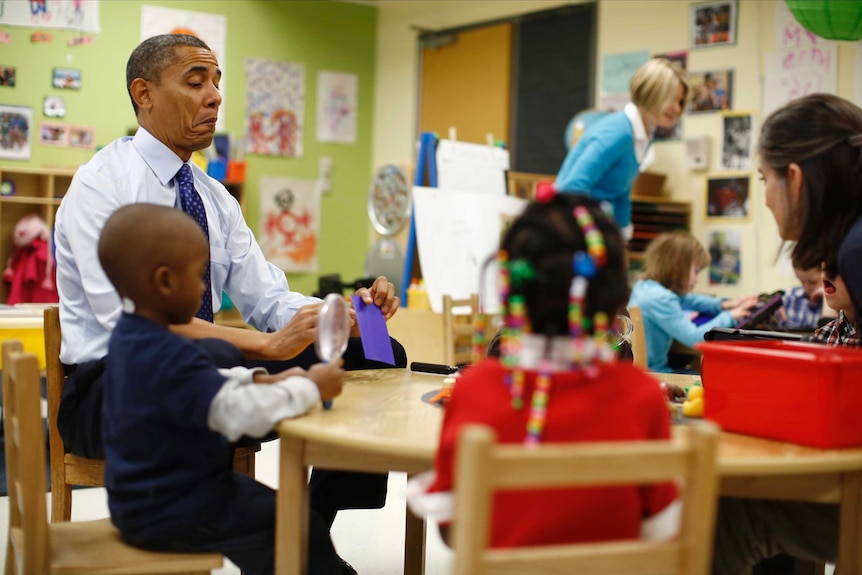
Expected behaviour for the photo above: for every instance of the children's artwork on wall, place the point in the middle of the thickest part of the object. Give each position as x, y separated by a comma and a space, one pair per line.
15, 132
276, 107
82, 136
725, 256
728, 196
617, 71
82, 15
713, 24
337, 106
290, 222
736, 141
54, 106
51, 134
66, 79
675, 133
211, 28
7, 76
710, 91
795, 72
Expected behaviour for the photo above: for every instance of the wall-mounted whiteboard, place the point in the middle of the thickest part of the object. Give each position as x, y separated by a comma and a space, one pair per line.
455, 232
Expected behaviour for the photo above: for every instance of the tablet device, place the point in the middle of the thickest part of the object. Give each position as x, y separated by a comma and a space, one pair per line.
736, 334
762, 312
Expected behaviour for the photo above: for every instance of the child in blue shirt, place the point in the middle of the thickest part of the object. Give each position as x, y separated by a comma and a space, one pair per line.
803, 305
671, 264
169, 412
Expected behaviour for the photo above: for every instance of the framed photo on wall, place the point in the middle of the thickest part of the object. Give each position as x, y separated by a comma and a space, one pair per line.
736, 141
66, 79
713, 24
711, 91
725, 256
16, 128
54, 134
82, 136
728, 196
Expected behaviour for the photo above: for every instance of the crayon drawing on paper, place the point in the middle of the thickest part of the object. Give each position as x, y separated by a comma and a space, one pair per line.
276, 107
337, 106
290, 222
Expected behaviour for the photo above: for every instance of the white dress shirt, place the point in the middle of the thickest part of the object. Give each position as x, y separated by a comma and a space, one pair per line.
643, 150
142, 169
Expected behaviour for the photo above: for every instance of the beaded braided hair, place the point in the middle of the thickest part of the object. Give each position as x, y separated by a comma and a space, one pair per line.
562, 272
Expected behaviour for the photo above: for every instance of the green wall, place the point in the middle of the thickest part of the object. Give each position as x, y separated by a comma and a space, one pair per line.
320, 34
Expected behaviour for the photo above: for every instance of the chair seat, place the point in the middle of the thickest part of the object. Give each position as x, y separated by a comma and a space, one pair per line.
95, 548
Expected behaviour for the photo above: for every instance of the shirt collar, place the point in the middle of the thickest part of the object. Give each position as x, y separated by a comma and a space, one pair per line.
162, 161
638, 131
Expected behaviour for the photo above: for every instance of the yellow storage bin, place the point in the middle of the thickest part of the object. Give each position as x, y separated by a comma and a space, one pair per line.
25, 324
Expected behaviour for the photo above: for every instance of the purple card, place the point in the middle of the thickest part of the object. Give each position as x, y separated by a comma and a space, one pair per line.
372, 330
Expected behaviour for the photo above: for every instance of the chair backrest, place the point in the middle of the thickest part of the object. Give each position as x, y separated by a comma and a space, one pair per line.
25, 458
484, 466
639, 350
458, 328
55, 378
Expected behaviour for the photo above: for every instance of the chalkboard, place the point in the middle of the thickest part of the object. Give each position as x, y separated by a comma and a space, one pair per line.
555, 54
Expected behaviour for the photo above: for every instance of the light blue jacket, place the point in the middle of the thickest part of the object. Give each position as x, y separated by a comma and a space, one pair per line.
603, 165
665, 320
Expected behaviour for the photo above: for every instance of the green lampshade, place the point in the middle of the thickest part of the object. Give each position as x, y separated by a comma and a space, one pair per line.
830, 19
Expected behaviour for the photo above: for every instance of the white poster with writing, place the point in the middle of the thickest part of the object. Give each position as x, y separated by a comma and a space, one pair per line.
456, 231
80, 15
798, 72
474, 167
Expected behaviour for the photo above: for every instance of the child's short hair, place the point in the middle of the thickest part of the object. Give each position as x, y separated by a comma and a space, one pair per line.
669, 257
548, 235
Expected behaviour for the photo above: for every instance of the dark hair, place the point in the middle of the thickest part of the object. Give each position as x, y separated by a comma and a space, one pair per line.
154, 55
821, 134
547, 235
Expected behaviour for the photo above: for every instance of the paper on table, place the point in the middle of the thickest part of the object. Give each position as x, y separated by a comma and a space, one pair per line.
373, 332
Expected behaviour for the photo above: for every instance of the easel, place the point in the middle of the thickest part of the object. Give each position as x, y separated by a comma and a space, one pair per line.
425, 175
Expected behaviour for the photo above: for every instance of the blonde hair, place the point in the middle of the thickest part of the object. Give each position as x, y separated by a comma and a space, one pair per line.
655, 83
669, 257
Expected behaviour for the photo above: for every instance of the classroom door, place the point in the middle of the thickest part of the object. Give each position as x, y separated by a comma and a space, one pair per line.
466, 83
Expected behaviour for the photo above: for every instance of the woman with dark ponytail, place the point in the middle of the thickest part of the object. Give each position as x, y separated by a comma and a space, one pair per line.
811, 164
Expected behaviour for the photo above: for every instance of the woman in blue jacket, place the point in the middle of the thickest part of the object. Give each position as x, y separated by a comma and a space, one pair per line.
608, 157
671, 264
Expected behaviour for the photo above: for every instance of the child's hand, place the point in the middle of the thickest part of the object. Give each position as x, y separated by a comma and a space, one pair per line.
746, 301
329, 378
740, 311
281, 376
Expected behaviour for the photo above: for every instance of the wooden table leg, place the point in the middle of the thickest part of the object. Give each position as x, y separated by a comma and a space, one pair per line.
414, 545
849, 548
291, 513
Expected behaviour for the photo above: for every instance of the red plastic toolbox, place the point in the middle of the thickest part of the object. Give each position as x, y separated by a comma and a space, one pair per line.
802, 393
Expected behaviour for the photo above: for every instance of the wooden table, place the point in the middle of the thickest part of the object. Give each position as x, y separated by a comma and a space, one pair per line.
380, 423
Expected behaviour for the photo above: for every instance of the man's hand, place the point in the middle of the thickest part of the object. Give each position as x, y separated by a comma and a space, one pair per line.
329, 378
381, 294
296, 335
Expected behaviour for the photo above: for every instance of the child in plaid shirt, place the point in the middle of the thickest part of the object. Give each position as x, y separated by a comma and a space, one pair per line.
841, 331
804, 303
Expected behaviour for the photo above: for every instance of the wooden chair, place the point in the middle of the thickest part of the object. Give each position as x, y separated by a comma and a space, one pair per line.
639, 350
458, 329
68, 469
483, 467
36, 547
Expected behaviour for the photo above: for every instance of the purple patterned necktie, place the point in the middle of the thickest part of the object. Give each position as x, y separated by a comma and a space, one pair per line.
191, 204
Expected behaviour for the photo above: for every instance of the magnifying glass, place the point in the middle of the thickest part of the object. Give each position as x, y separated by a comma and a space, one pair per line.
333, 331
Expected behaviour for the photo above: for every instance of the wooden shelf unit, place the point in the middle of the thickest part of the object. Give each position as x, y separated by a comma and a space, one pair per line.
37, 190
652, 216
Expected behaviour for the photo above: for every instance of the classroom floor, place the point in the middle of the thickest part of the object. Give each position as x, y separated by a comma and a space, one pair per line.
372, 541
